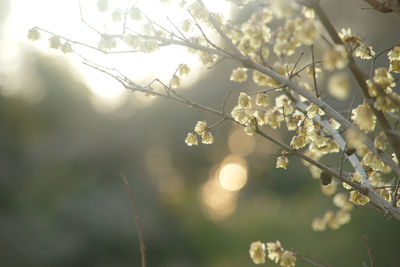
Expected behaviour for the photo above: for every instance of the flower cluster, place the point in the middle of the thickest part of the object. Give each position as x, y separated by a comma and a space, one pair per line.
380, 88
258, 253
354, 42
394, 57
332, 219
200, 129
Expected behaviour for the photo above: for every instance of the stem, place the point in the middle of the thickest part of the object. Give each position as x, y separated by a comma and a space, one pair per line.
137, 220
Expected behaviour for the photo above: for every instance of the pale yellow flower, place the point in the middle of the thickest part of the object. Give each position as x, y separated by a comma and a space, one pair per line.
175, 82
364, 52
281, 162
186, 26
116, 16
102, 5
66, 48
364, 117
394, 54
339, 85
329, 189
313, 110
307, 31
106, 43
274, 250
250, 129
183, 69
335, 58
33, 34
257, 252
356, 177
239, 75
135, 14
191, 140
262, 100
244, 100
358, 198
288, 259
318, 224
207, 138
54, 42
201, 127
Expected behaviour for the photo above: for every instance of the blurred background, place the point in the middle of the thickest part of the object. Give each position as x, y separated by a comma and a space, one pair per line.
63, 143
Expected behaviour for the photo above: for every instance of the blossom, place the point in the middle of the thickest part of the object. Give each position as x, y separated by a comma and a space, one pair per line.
394, 65
307, 30
239, 75
106, 43
339, 85
116, 16
201, 127
135, 14
207, 138
364, 117
183, 69
66, 48
348, 38
335, 58
288, 259
244, 100
241, 115
313, 110
54, 42
341, 201
281, 162
380, 141
394, 53
33, 34
102, 5
191, 140
318, 224
363, 51
330, 188
358, 198
262, 100
186, 26
274, 251
175, 81
250, 129
383, 78
257, 252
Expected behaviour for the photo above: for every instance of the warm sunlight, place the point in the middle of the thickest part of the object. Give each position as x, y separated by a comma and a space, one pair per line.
65, 20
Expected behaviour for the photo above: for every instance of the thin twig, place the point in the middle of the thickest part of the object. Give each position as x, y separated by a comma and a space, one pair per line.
295, 65
310, 261
226, 100
313, 71
371, 258
137, 220
377, 55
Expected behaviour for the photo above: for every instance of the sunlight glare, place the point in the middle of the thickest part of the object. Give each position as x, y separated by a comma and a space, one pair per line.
63, 18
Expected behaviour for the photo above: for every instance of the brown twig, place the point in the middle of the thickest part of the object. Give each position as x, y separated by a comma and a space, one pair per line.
313, 71
371, 258
137, 220
310, 261
377, 55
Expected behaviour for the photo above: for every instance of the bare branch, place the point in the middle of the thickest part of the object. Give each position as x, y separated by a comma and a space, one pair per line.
371, 258
137, 220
